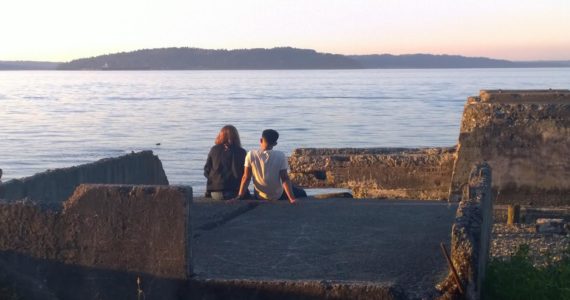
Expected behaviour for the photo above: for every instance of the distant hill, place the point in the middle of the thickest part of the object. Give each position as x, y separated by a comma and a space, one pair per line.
421, 61
544, 64
425, 61
269, 59
202, 59
28, 65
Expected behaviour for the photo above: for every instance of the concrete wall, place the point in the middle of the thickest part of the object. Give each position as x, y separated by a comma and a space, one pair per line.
378, 172
55, 186
104, 238
470, 237
525, 138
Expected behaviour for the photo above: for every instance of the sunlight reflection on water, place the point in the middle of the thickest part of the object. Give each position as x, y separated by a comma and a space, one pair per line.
56, 119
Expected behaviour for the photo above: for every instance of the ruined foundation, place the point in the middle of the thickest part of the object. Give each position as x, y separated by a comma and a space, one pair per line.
377, 172
523, 135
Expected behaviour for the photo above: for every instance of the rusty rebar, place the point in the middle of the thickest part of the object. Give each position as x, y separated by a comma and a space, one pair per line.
452, 268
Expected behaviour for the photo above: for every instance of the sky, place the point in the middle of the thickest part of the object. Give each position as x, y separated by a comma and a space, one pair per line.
62, 30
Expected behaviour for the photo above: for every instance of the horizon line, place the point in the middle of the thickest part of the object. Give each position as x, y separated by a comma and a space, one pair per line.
281, 47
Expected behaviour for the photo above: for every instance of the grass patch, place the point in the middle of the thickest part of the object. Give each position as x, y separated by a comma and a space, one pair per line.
518, 279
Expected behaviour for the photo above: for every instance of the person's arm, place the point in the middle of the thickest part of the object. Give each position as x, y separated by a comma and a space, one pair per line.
208, 165
244, 182
286, 181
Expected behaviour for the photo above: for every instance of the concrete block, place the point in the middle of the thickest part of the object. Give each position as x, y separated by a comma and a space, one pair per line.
104, 240
525, 137
557, 226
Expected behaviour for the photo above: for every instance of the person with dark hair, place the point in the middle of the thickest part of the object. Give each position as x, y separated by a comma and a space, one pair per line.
268, 168
224, 166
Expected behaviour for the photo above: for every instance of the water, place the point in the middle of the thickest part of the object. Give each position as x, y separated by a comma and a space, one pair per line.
52, 119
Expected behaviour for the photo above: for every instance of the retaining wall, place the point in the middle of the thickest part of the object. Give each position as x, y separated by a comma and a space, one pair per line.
377, 172
55, 186
470, 238
525, 138
104, 238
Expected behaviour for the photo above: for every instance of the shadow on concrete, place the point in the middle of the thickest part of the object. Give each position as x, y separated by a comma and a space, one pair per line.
34, 278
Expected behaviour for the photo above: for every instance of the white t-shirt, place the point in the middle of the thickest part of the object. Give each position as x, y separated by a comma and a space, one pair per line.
265, 167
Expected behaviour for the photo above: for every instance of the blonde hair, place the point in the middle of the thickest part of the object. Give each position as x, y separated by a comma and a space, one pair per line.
228, 136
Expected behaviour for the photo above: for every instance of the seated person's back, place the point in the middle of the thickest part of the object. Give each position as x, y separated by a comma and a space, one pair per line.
265, 167
225, 164
268, 168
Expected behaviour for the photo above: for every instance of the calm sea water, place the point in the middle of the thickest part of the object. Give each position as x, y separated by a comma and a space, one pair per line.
52, 119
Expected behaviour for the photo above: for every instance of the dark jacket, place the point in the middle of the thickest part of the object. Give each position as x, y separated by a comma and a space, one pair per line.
224, 168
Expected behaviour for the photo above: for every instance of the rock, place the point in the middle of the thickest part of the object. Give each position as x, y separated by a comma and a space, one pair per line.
507, 239
557, 226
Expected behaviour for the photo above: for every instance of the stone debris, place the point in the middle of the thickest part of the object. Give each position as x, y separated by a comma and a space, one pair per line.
543, 247
551, 226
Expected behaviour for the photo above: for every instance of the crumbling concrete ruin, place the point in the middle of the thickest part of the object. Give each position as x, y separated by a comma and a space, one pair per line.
523, 135
525, 138
63, 239
377, 173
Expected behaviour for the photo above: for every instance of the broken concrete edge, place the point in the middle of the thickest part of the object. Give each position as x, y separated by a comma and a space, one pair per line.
53, 187
522, 96
470, 237
97, 218
287, 289
366, 151
333, 196
399, 173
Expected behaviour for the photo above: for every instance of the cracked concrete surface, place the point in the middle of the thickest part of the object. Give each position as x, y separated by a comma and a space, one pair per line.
395, 242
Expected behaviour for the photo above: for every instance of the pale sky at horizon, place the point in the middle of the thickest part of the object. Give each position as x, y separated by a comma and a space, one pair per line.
62, 30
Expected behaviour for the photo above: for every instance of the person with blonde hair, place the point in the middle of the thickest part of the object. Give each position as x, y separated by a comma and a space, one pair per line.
225, 165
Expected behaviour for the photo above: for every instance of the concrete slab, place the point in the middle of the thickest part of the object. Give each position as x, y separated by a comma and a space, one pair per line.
207, 214
396, 242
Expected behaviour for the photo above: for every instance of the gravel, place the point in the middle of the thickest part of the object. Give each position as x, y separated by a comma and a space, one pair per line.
543, 247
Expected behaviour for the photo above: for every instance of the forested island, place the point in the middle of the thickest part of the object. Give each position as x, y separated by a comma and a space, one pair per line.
269, 59
28, 65
203, 59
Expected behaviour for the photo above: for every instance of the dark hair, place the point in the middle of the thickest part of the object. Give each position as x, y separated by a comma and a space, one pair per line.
270, 136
